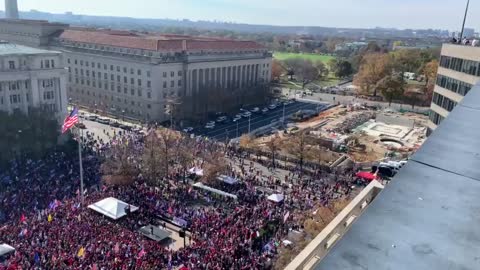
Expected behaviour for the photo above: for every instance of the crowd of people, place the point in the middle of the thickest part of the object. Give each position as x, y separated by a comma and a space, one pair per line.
41, 217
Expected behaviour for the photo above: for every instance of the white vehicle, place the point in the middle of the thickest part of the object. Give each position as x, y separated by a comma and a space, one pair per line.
238, 115
92, 117
221, 119
264, 110
210, 126
236, 119
247, 114
272, 106
255, 110
188, 129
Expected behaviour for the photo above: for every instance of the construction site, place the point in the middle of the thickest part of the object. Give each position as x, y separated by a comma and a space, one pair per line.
346, 137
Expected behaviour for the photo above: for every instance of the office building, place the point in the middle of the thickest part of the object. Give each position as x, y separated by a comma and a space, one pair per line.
458, 72
139, 75
32, 78
136, 75
11, 9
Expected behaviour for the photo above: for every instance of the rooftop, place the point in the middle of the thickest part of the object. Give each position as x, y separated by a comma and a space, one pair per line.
156, 42
428, 216
7, 48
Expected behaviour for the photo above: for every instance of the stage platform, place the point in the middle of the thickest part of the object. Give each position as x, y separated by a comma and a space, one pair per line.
155, 233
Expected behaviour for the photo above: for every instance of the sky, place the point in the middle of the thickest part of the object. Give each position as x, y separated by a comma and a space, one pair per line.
418, 14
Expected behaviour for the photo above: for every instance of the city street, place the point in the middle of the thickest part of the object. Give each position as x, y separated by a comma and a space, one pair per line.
234, 130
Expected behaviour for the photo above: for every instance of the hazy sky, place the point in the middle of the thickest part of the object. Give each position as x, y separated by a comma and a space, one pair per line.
438, 14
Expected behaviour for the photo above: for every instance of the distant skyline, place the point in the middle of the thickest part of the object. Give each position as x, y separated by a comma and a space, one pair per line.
415, 14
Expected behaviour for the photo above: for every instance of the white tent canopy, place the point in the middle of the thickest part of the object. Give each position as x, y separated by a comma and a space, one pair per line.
196, 171
227, 179
276, 197
213, 190
6, 249
112, 208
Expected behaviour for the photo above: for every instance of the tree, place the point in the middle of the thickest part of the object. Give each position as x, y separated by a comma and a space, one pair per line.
297, 146
120, 166
332, 64
274, 145
374, 67
303, 69
321, 69
277, 70
391, 87
184, 155
214, 165
413, 96
343, 69
153, 168
430, 71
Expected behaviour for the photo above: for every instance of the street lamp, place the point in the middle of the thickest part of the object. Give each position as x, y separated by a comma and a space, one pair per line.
123, 115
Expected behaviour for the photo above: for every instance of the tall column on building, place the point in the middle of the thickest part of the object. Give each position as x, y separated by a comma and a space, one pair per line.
11, 9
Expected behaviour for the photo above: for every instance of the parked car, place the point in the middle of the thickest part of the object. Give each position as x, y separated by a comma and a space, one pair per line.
272, 106
247, 114
102, 120
238, 115
114, 124
210, 125
92, 117
221, 119
265, 110
188, 129
125, 127
255, 110
80, 125
237, 118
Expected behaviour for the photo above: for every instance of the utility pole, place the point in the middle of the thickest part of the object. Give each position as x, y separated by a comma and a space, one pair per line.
464, 20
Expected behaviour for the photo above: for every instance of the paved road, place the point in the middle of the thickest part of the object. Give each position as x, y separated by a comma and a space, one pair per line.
257, 120
332, 98
104, 132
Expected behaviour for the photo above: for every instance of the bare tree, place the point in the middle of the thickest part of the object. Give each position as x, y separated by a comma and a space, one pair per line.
153, 168
274, 145
300, 149
304, 70
184, 154
120, 166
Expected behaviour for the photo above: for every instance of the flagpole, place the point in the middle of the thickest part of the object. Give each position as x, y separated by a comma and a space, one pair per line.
81, 164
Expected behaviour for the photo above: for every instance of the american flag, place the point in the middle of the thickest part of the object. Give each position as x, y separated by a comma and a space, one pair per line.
70, 121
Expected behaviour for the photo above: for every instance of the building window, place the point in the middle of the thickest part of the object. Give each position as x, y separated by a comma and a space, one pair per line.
68, 60
148, 74
149, 84
11, 64
172, 74
81, 62
139, 82
179, 83
149, 95
149, 106
111, 67
179, 73
125, 80
132, 81
131, 71
124, 70
164, 84
118, 78
118, 69
172, 83
139, 72
139, 92
164, 74
454, 85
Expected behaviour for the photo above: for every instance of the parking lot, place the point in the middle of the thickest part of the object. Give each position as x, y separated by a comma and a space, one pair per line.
231, 130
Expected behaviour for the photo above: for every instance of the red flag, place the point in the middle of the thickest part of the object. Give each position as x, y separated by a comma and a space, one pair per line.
23, 219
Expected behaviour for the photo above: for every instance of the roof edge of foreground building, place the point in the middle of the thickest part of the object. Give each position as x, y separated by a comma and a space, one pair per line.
427, 217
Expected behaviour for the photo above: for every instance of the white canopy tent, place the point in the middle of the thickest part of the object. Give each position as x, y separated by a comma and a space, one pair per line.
213, 190
276, 198
227, 179
112, 208
6, 249
197, 171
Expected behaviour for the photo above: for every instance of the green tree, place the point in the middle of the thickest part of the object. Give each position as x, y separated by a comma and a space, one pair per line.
343, 69
391, 87
373, 68
321, 69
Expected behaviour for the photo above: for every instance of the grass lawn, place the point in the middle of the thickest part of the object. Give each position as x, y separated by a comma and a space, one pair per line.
311, 56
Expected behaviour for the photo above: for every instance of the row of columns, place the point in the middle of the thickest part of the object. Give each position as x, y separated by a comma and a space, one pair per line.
231, 77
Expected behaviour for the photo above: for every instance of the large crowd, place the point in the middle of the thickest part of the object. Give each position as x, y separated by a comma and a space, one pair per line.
40, 215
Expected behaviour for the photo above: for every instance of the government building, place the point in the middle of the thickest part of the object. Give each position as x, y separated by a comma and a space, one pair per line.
147, 76
32, 78
458, 72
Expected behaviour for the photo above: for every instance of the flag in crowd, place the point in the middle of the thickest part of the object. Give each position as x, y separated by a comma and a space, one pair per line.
70, 121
